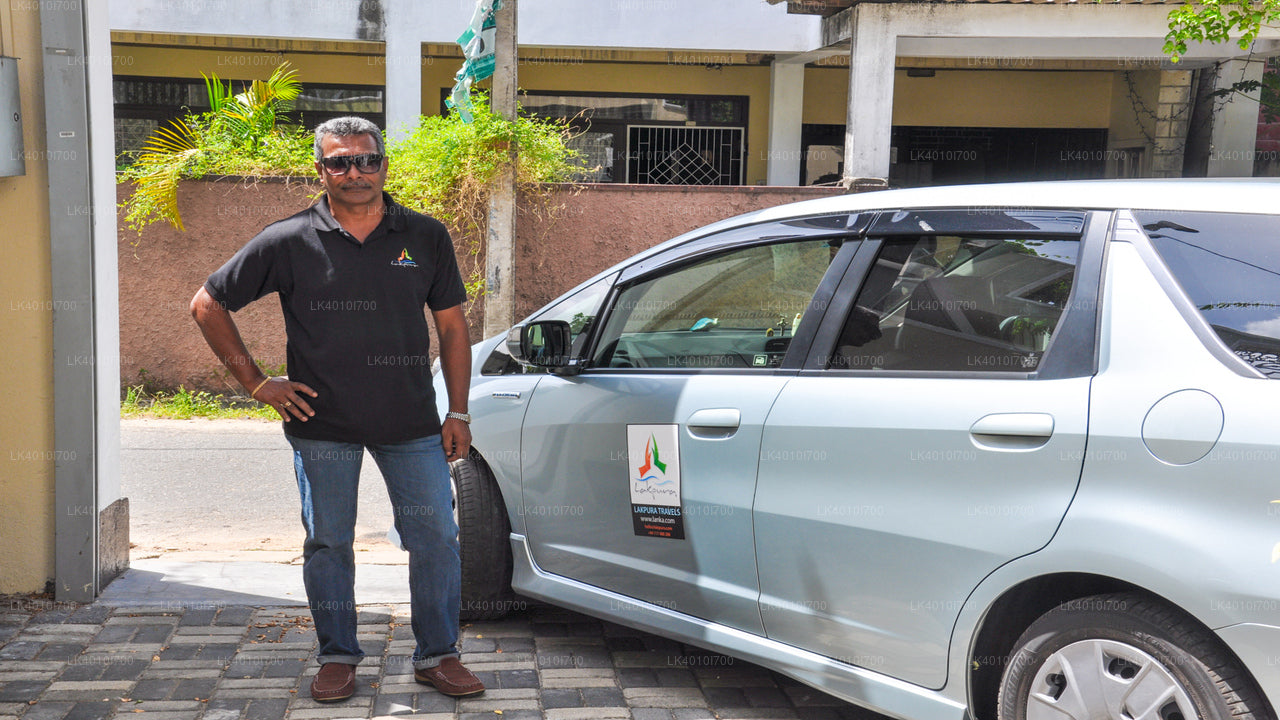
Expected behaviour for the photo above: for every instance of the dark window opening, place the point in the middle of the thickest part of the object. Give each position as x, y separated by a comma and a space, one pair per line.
922, 156
143, 104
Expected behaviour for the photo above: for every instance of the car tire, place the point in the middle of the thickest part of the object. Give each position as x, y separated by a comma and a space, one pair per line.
484, 540
1109, 655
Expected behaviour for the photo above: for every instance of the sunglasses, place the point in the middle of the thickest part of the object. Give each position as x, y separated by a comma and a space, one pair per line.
340, 164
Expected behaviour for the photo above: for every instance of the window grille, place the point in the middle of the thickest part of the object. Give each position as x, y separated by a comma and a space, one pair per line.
665, 155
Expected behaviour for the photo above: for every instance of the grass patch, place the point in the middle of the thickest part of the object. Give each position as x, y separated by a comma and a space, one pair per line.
184, 404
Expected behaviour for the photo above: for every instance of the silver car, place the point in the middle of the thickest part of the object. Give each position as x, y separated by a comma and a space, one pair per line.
1003, 451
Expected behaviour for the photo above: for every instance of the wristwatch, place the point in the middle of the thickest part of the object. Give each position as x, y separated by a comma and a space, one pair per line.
464, 417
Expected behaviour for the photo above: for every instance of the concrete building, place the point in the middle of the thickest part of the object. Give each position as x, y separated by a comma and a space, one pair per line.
747, 91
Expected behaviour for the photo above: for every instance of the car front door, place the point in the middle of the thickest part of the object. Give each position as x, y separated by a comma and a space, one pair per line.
639, 472
936, 432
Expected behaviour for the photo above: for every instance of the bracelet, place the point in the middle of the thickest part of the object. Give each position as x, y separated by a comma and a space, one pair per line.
255, 390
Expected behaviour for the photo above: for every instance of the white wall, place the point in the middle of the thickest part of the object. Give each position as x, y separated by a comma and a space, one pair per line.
725, 25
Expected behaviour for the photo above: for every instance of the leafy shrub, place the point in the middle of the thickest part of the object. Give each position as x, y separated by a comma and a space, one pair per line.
446, 168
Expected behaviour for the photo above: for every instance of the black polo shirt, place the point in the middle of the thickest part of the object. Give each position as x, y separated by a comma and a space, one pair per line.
353, 312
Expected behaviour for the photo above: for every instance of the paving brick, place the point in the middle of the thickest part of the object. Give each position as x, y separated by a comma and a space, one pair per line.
516, 678
90, 615
11, 676
90, 710
60, 651
603, 697
726, 697
434, 702
238, 616
198, 617
114, 634
226, 705
321, 713
266, 709
692, 714
591, 713
224, 652
196, 688
20, 691
515, 645
637, 677
20, 650
48, 711
124, 669
673, 677
135, 649
766, 697
283, 668
664, 697
650, 714
393, 704
758, 714
139, 617
154, 689
52, 616
507, 715
561, 698
179, 652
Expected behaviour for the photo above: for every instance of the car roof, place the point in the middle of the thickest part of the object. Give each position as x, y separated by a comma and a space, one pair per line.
1244, 195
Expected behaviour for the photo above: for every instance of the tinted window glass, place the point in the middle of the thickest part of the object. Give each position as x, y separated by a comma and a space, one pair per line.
738, 309
579, 310
1229, 266
955, 303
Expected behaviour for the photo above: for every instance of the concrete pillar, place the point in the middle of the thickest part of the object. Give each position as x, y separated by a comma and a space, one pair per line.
403, 91
786, 111
1235, 123
500, 235
872, 54
1173, 114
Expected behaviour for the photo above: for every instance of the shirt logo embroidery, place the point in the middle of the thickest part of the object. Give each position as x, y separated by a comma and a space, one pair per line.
404, 260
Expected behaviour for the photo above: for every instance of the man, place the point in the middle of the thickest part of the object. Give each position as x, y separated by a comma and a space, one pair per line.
353, 273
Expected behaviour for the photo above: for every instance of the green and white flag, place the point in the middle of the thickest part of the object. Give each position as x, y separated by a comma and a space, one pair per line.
477, 47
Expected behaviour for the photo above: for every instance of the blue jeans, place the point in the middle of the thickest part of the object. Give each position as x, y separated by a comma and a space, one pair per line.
417, 478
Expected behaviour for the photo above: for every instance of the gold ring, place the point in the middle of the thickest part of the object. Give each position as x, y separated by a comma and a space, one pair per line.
287, 403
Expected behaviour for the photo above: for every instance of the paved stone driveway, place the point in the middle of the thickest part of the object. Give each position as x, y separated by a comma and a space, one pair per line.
194, 662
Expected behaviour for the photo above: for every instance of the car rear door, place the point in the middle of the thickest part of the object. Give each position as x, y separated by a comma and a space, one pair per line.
639, 472
937, 431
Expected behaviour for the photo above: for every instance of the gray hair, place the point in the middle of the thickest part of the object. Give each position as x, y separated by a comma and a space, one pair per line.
347, 126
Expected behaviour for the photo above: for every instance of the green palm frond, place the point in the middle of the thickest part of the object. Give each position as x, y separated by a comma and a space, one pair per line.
160, 166
238, 133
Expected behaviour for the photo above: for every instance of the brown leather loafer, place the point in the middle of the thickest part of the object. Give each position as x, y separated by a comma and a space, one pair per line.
335, 681
451, 678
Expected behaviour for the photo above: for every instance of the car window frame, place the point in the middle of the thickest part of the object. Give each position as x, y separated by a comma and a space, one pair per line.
739, 238
1129, 229
1073, 350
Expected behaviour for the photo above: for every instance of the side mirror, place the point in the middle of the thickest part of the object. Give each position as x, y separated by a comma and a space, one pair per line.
543, 343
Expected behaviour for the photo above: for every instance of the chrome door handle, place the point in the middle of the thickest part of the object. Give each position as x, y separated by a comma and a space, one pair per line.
714, 422
1012, 431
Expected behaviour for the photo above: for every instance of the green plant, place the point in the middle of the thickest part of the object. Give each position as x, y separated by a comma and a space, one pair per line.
184, 404
447, 168
239, 135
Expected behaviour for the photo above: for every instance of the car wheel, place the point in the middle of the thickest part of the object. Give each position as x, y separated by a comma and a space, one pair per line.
1123, 656
484, 539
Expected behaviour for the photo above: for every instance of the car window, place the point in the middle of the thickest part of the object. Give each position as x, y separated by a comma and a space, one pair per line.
957, 303
579, 310
1229, 267
737, 309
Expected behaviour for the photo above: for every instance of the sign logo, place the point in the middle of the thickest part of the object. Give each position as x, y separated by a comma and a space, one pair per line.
404, 260
656, 508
